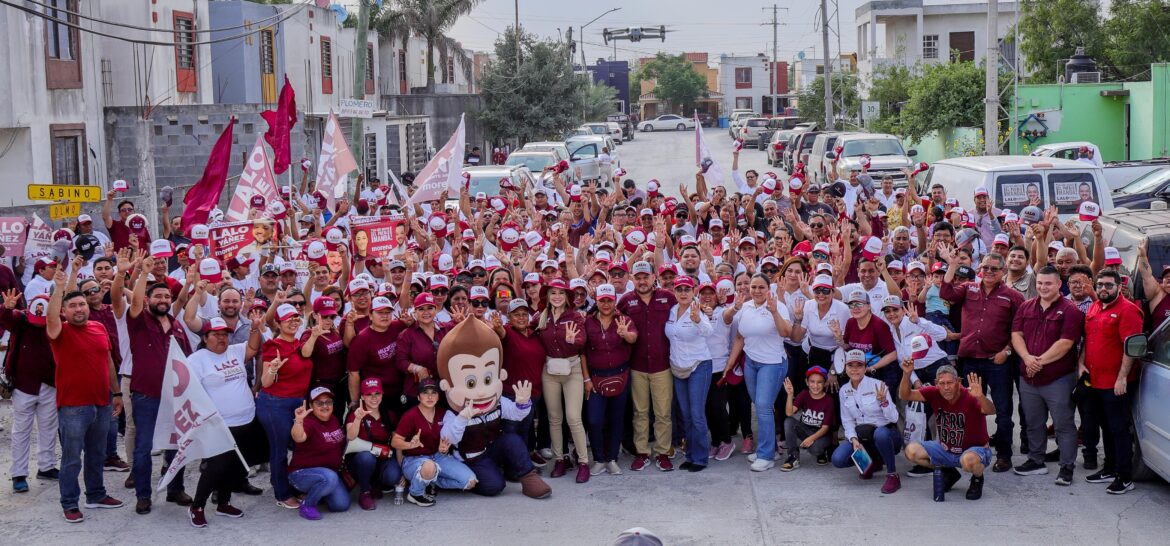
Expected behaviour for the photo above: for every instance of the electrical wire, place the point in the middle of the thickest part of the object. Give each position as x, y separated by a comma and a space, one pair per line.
287, 15
80, 15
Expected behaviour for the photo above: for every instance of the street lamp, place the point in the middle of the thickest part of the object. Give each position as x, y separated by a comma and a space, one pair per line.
583, 62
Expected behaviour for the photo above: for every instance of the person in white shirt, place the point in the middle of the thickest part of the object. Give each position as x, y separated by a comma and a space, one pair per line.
42, 279
875, 281
690, 362
719, 345
763, 325
869, 420
815, 322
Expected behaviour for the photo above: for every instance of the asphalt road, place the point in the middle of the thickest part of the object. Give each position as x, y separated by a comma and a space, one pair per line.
725, 504
669, 156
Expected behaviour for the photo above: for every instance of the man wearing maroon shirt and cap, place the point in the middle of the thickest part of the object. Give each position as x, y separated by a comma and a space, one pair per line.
650, 380
371, 354
119, 231
30, 366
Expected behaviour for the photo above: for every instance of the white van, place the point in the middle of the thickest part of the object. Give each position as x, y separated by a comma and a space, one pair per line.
1017, 181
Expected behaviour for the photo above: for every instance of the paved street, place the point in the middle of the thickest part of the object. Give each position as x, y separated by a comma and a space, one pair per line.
726, 504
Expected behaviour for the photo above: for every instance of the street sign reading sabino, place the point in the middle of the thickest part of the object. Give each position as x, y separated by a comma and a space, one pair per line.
62, 192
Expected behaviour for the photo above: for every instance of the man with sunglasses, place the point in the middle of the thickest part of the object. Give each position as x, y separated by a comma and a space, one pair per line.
988, 308
119, 231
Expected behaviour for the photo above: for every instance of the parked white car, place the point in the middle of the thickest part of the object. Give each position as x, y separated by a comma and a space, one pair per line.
667, 122
585, 168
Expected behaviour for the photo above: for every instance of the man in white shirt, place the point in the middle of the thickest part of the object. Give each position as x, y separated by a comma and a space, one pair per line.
42, 279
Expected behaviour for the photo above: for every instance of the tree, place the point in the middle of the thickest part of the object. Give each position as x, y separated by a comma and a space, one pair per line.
675, 81
598, 101
542, 98
1136, 35
846, 102
947, 95
430, 19
1051, 30
891, 87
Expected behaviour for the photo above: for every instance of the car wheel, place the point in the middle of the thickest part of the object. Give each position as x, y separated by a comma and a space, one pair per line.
681, 127
648, 128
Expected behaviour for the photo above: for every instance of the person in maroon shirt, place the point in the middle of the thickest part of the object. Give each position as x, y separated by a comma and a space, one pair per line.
324, 346
609, 337
1045, 333
867, 333
320, 443
985, 347
371, 354
151, 328
524, 358
427, 458
962, 428
1156, 286
650, 381
561, 330
418, 346
119, 232
30, 367
368, 423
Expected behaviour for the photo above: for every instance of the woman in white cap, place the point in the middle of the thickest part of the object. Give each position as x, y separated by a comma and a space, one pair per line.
316, 458
565, 378
690, 363
764, 323
284, 380
817, 320
869, 420
712, 304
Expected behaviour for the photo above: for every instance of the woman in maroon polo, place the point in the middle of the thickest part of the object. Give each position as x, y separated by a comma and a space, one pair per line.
418, 346
609, 337
561, 330
324, 346
371, 354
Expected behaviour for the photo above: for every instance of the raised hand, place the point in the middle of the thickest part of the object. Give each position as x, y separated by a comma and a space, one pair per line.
360, 412
275, 364
881, 392
695, 311
571, 332
416, 441
907, 366
623, 326
301, 412
523, 391
788, 388
468, 410
974, 384
11, 298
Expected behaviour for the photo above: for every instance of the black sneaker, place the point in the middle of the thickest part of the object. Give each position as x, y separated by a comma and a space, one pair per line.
791, 463
421, 500
1030, 468
822, 459
1090, 462
1065, 476
1104, 476
951, 476
432, 491
975, 490
686, 465
1119, 487
1052, 456
920, 471
50, 474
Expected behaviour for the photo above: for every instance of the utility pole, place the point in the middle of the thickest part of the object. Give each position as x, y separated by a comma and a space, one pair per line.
775, 68
828, 67
991, 91
357, 134
517, 27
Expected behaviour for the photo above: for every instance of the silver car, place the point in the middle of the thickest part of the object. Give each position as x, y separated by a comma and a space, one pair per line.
667, 122
486, 179
585, 168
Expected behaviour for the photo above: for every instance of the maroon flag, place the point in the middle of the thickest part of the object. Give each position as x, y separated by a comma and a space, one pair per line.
204, 195
280, 123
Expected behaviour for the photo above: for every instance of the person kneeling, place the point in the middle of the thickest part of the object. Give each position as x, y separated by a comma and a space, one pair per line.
427, 461
810, 428
962, 429
869, 419
368, 457
320, 443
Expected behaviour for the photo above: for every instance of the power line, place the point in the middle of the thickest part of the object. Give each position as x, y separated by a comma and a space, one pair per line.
80, 15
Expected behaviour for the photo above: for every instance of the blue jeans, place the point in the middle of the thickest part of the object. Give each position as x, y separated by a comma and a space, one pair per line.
452, 474
363, 465
998, 380
941, 456
507, 456
605, 418
691, 394
886, 444
276, 417
943, 319
112, 438
321, 484
763, 384
145, 414
82, 428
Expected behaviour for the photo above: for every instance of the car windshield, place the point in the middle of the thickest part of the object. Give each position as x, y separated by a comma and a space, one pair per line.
875, 148
486, 183
757, 123
1145, 183
598, 129
534, 162
583, 151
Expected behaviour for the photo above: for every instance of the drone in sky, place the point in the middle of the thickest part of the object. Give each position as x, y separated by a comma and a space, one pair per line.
635, 34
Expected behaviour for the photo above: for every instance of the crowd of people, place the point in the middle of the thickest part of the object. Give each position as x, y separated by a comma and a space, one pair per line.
860, 322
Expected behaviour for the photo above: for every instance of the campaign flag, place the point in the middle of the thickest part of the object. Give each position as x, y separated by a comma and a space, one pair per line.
188, 421
280, 123
204, 195
257, 178
228, 240
713, 172
335, 163
398, 194
443, 172
38, 242
13, 234
375, 235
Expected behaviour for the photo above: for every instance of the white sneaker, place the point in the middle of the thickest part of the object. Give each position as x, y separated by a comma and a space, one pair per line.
547, 454
613, 468
597, 469
762, 465
752, 458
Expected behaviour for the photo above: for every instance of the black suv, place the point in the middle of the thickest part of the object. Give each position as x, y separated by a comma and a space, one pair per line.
625, 123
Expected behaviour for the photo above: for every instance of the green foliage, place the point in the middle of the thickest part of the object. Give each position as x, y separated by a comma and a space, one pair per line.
676, 82
1136, 35
599, 101
946, 95
891, 86
430, 20
542, 98
1051, 30
812, 99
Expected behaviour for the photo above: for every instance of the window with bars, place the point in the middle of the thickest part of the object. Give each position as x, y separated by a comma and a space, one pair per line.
62, 54
186, 69
371, 156
450, 70
369, 69
930, 46
402, 71
326, 65
267, 52
68, 153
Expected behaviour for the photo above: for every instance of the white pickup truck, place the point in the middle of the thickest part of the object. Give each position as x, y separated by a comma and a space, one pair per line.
1117, 173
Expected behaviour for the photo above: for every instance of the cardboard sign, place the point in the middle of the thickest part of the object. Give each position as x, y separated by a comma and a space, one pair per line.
13, 235
375, 235
227, 240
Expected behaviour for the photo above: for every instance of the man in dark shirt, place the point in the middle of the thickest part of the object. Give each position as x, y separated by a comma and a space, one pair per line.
30, 366
650, 379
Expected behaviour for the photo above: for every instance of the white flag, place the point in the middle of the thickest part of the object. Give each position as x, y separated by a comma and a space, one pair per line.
443, 172
713, 173
336, 161
188, 420
257, 178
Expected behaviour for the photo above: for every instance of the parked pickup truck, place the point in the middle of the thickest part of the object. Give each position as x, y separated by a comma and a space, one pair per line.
1117, 173
886, 155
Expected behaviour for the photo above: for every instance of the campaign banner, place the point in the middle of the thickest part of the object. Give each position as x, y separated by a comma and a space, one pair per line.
712, 171
375, 235
1017, 192
13, 234
257, 178
228, 240
444, 171
335, 163
39, 242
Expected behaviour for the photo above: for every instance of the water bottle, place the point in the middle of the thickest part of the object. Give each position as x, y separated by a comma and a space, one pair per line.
940, 486
399, 493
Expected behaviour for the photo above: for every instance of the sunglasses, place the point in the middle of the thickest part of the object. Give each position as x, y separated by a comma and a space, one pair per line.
440, 292
1107, 285
817, 225
94, 290
770, 270
296, 303
822, 291
479, 303
820, 256
857, 305
479, 274
617, 273
126, 209
990, 268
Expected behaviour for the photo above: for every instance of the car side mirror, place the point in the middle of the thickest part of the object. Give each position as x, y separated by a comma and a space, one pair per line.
830, 155
1136, 346
911, 153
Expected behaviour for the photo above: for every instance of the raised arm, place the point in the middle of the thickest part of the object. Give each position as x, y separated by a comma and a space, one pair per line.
53, 315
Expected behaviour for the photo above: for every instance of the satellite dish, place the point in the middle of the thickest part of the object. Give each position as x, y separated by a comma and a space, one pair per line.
800, 55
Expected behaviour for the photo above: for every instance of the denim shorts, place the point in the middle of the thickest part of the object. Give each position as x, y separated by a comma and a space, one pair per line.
940, 456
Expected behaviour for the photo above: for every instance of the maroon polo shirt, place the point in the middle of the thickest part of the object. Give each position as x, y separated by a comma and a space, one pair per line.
328, 358
523, 360
552, 337
1041, 328
120, 235
150, 345
29, 362
604, 348
416, 347
987, 316
652, 350
371, 354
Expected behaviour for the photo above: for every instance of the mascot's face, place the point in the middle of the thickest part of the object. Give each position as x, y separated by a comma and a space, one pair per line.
476, 380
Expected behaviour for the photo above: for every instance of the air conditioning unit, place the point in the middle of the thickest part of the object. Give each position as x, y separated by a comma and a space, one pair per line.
1086, 77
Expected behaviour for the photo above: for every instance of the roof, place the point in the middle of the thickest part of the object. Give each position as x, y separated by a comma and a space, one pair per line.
1012, 162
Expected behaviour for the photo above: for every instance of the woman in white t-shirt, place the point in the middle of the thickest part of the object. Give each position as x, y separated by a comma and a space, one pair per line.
815, 323
220, 369
763, 325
